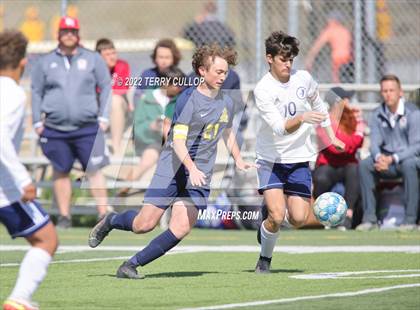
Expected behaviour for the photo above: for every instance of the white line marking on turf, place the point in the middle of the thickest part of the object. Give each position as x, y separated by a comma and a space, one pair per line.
216, 249
72, 261
313, 297
349, 274
238, 248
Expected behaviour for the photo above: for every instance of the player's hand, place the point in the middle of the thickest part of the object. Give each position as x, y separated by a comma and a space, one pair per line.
244, 166
103, 126
29, 193
39, 130
197, 177
338, 144
313, 117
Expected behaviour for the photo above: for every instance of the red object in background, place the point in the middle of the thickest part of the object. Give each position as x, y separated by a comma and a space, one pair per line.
120, 77
67, 22
329, 154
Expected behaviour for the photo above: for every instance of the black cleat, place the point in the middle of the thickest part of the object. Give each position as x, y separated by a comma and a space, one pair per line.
101, 230
263, 265
264, 215
128, 271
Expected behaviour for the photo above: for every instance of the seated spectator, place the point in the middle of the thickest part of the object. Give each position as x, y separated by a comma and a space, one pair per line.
152, 117
395, 153
165, 54
333, 166
120, 72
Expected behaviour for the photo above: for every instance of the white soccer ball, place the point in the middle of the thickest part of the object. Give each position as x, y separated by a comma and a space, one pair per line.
330, 209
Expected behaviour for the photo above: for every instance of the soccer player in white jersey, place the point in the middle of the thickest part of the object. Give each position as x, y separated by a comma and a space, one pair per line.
21, 215
289, 106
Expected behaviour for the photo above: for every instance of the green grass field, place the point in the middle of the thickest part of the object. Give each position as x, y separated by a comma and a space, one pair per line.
211, 268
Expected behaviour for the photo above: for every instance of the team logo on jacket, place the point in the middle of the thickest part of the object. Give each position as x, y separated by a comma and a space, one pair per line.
81, 64
53, 65
301, 92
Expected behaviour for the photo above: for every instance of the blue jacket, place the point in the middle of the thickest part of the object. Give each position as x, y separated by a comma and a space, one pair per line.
66, 91
402, 140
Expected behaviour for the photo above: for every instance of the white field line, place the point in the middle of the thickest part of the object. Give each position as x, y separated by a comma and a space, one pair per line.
200, 249
351, 274
313, 297
237, 248
73, 261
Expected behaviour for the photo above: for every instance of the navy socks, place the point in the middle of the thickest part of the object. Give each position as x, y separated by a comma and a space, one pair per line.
155, 249
124, 221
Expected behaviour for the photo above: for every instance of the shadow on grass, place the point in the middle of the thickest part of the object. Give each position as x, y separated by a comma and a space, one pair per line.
180, 274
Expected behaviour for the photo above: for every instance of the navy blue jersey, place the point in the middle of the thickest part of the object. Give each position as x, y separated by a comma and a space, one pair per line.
200, 120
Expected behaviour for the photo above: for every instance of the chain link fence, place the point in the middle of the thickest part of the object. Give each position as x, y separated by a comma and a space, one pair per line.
350, 41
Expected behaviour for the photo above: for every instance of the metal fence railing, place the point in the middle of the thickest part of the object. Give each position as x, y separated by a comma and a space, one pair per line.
364, 39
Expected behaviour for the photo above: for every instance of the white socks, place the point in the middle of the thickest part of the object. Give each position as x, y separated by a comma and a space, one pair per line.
31, 273
268, 241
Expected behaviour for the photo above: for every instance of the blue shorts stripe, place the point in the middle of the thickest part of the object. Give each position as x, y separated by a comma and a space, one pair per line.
23, 219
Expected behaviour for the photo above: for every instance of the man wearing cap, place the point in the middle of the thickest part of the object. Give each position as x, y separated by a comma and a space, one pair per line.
70, 116
395, 153
333, 166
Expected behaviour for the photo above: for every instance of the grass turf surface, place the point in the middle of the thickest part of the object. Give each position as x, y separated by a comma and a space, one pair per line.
204, 279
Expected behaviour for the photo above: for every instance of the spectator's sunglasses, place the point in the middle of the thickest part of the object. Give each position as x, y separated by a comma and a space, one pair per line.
74, 32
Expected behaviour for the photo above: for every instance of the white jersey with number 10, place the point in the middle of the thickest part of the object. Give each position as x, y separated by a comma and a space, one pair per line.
277, 102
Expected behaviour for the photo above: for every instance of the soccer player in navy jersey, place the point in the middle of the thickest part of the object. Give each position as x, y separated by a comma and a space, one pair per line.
183, 174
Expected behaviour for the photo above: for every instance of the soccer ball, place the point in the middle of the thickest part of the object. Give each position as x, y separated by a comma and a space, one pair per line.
330, 209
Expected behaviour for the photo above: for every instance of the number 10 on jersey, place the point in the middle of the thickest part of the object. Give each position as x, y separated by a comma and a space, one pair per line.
290, 109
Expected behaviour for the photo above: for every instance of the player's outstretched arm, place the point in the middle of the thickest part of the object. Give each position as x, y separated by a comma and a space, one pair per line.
310, 117
197, 177
9, 160
320, 106
233, 148
337, 143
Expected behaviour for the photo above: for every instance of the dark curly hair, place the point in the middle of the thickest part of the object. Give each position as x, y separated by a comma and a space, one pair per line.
280, 43
12, 49
207, 53
167, 43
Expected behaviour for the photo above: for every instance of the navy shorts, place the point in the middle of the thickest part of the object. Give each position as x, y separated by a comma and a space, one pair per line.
23, 219
294, 179
165, 190
86, 144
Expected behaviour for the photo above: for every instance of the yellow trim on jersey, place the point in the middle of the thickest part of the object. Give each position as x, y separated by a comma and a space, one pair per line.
180, 131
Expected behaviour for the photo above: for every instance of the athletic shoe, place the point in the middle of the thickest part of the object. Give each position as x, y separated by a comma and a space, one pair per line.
63, 222
367, 226
101, 230
264, 215
263, 265
11, 304
346, 224
128, 271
